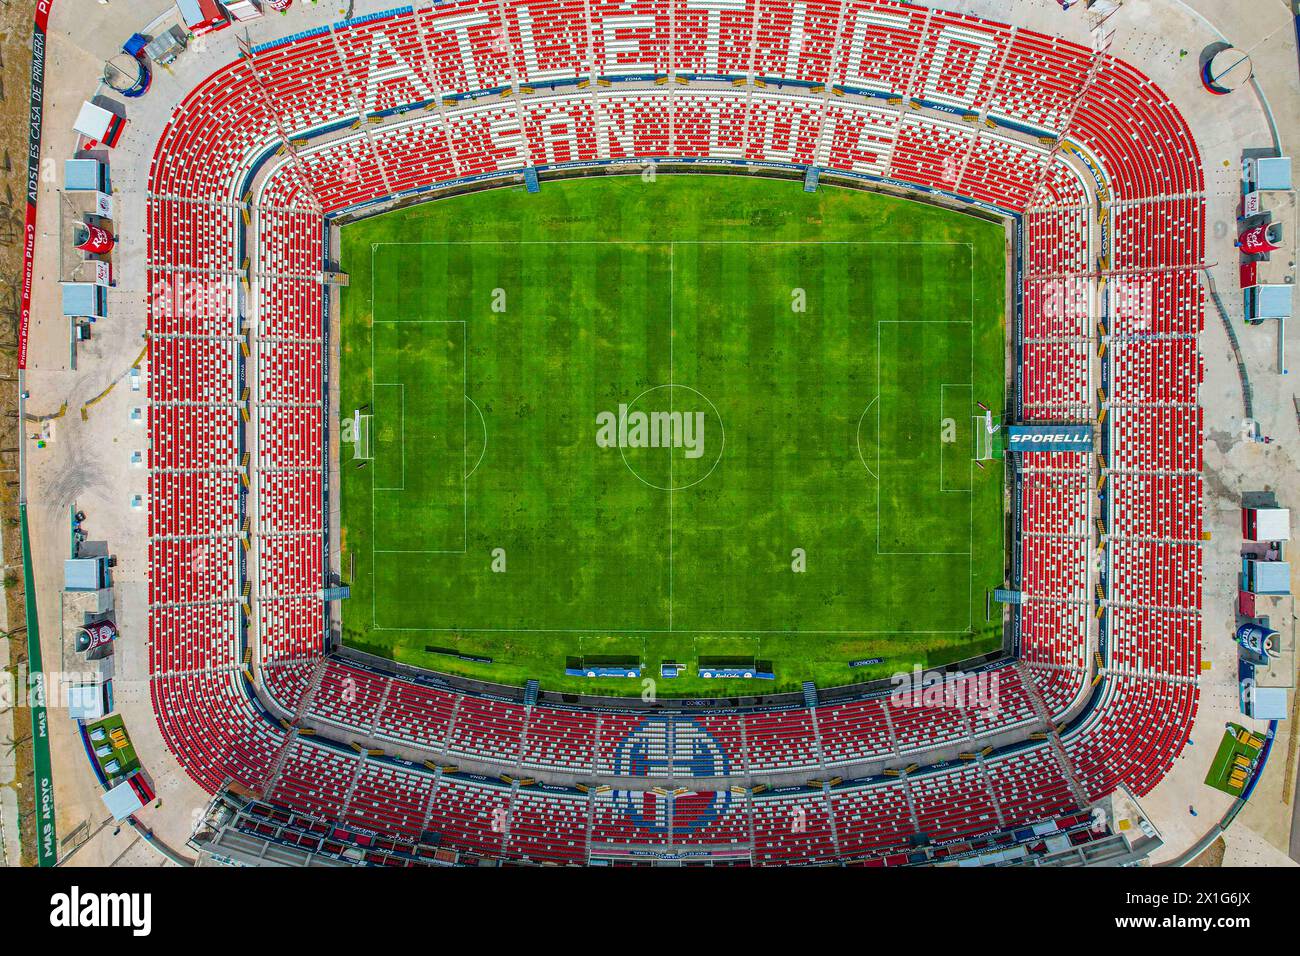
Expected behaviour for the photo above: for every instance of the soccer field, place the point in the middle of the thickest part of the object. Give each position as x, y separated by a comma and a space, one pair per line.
699, 416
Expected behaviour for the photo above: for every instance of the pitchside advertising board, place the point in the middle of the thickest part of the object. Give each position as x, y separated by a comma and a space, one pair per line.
1023, 438
35, 118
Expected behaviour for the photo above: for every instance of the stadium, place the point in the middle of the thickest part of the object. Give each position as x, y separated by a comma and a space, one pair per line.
659, 432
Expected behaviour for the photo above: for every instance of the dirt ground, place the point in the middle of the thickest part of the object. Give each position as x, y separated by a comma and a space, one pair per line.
1213, 855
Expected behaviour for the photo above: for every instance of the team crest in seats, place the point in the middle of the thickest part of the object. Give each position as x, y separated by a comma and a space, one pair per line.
677, 747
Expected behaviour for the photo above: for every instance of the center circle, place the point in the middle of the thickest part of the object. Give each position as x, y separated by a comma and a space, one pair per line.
685, 451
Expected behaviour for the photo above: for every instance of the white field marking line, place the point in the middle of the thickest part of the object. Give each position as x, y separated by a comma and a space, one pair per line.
483, 422
858, 436
942, 386
417, 551
464, 442
402, 487
464, 431
542, 242
722, 445
972, 465
970, 545
979, 426
679, 242
464, 425
879, 323
672, 286
976, 426
358, 447
595, 632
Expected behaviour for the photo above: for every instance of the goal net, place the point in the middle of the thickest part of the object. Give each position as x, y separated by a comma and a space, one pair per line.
983, 431
361, 429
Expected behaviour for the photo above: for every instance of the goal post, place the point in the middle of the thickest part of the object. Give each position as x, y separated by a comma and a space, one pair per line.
362, 448
985, 437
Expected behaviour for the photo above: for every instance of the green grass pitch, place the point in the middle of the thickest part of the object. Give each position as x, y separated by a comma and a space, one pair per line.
812, 364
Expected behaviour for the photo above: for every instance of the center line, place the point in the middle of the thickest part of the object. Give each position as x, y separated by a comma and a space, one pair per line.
672, 284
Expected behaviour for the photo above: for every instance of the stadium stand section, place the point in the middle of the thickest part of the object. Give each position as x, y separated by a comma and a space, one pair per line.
1085, 155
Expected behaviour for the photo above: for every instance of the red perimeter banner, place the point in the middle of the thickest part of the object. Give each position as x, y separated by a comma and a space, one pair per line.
33, 171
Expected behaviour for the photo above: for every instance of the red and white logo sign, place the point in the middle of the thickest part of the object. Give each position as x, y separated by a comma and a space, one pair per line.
99, 634
1257, 240
94, 239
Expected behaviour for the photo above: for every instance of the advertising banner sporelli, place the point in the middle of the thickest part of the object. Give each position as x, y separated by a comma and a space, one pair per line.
1057, 438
